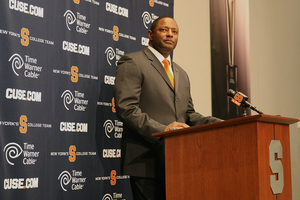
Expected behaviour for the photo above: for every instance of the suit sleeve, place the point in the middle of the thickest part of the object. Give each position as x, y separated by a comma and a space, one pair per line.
127, 90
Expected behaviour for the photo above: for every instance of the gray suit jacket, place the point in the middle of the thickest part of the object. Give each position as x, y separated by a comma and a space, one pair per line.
146, 102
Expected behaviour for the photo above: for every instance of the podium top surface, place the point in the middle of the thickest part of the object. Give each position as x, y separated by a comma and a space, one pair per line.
230, 122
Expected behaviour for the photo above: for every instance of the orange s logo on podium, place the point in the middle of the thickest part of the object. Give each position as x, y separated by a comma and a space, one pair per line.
277, 180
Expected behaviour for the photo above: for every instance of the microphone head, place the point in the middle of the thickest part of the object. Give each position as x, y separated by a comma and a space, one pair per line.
231, 93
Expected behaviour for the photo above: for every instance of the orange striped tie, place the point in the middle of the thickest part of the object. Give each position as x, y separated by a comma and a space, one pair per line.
166, 66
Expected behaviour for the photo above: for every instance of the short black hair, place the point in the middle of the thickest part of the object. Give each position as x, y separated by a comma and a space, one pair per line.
155, 22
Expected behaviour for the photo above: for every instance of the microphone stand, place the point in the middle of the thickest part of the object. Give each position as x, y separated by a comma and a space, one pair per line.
244, 110
247, 104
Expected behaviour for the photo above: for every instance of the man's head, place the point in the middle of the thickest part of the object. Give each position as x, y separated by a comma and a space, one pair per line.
163, 35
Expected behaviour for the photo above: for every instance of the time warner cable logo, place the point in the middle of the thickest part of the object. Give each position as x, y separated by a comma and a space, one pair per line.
70, 18
32, 70
17, 62
111, 54
12, 151
67, 98
80, 104
108, 127
148, 18
107, 197
65, 178
117, 127
82, 25
114, 197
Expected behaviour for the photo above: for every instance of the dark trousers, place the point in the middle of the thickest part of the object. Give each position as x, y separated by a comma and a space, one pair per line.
147, 188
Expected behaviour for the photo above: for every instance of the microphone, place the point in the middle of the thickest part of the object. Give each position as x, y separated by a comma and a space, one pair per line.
239, 99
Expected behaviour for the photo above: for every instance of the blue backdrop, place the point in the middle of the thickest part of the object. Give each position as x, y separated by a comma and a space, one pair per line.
59, 135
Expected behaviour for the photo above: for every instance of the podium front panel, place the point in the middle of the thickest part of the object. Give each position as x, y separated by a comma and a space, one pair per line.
231, 162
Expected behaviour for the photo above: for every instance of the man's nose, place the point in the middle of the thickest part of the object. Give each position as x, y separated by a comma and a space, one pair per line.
170, 33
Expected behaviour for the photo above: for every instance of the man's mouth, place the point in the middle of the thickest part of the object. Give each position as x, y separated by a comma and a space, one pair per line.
169, 41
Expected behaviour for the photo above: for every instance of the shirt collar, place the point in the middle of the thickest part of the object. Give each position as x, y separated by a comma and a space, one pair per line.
159, 56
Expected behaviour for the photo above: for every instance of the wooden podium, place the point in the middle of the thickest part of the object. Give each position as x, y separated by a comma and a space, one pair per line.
239, 159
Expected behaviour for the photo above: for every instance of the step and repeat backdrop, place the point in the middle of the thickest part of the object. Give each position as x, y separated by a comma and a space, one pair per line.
59, 135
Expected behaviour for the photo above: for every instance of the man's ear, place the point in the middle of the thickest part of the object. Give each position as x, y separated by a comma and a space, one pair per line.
150, 34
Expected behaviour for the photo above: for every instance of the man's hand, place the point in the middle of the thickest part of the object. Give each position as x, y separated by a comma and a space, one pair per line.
175, 125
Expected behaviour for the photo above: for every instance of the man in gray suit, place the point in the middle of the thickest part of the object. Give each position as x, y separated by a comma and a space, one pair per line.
147, 103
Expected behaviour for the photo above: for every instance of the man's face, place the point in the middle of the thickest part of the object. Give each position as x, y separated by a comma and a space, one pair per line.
164, 37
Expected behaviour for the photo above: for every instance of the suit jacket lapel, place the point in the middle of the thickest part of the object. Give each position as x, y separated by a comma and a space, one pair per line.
176, 75
158, 66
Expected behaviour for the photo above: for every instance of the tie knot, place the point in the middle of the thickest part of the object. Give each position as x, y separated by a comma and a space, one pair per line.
166, 62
